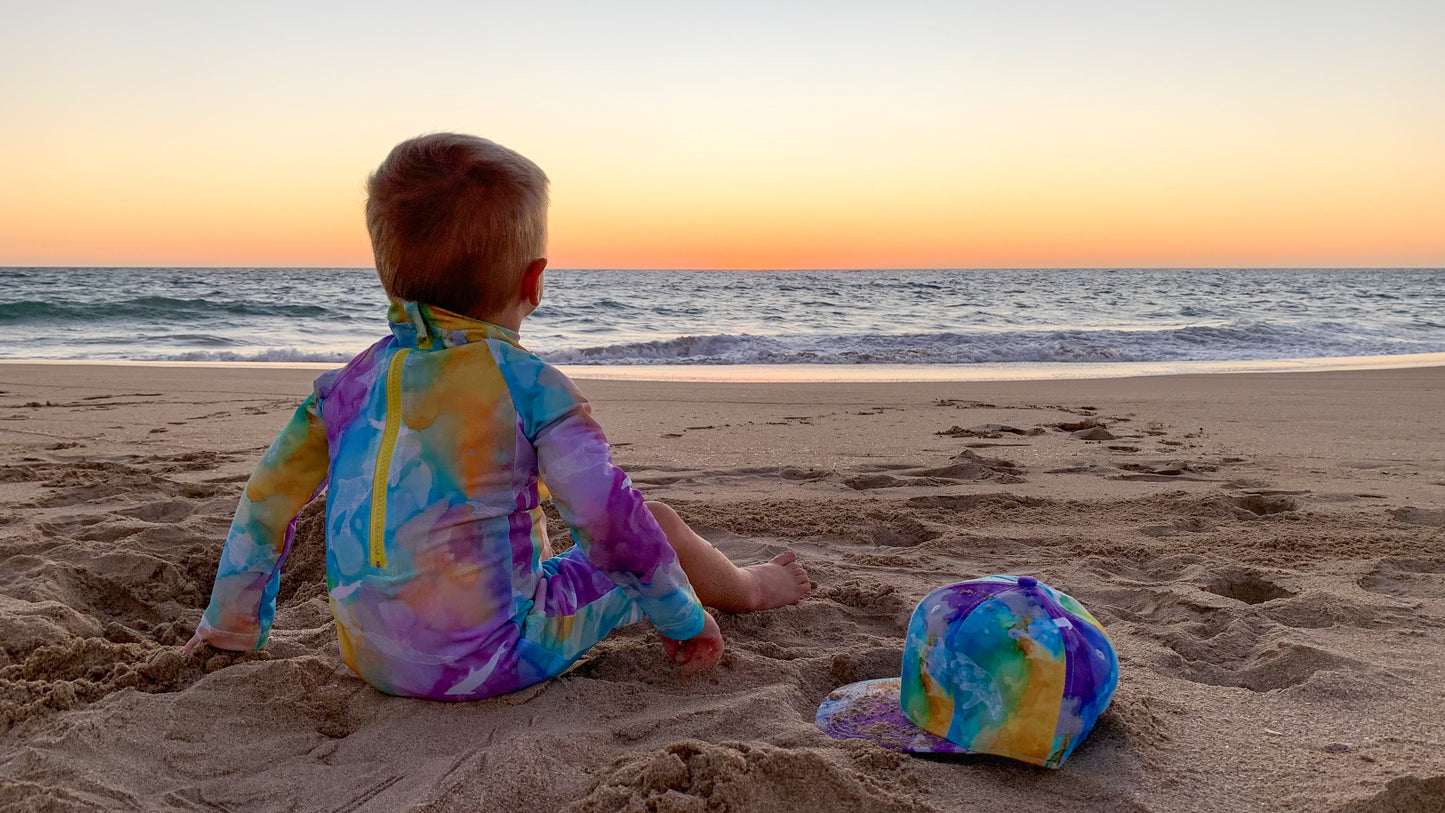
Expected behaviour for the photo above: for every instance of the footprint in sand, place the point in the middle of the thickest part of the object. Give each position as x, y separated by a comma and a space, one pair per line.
1252, 653
1429, 517
1264, 505
161, 511
1406, 577
896, 530
965, 467
866, 482
1322, 609
1247, 586
1160, 570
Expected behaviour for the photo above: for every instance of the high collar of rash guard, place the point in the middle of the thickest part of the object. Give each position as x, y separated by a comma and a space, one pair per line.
427, 327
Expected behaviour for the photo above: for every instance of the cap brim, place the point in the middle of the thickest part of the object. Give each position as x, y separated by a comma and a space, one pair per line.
870, 711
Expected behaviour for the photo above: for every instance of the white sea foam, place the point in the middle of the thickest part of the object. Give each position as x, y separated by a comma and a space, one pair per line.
270, 354
1253, 341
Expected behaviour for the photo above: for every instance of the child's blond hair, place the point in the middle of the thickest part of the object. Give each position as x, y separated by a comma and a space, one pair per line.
455, 220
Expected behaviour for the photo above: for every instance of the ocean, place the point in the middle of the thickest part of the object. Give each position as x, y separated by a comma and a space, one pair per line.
1155, 320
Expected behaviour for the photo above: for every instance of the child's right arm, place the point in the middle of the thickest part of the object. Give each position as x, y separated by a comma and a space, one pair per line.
606, 514
243, 601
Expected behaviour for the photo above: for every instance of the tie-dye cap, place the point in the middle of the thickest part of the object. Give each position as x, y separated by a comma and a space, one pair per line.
1000, 665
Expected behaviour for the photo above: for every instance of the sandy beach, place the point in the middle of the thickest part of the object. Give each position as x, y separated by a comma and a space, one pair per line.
1267, 553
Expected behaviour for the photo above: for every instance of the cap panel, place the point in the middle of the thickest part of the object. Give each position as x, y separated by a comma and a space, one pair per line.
1093, 674
923, 700
1014, 640
957, 600
926, 701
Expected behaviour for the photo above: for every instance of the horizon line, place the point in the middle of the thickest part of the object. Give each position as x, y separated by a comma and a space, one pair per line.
788, 270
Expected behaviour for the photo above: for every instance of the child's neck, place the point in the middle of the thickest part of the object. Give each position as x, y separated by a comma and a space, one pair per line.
511, 318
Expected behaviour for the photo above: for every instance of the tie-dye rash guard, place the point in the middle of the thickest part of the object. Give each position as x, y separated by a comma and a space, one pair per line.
431, 444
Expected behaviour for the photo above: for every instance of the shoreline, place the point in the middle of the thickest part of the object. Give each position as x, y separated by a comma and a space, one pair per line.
857, 373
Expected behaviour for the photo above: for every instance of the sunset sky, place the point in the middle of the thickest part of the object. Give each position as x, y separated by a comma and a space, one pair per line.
740, 134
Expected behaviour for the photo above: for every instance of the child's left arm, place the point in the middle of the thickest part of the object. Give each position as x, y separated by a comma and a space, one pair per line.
243, 601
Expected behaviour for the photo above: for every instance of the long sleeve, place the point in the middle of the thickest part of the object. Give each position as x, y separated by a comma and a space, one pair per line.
596, 499
293, 470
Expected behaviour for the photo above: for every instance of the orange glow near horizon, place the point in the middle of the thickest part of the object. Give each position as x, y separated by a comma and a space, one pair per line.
1103, 218
1367, 214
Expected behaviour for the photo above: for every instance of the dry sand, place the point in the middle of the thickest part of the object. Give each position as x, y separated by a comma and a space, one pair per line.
1266, 551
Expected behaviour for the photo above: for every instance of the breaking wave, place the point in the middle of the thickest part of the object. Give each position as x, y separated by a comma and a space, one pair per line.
1210, 343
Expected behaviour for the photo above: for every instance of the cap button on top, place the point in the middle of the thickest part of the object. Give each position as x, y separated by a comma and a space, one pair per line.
1028, 581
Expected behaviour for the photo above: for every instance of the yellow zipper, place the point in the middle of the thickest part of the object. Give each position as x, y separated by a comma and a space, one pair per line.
383, 458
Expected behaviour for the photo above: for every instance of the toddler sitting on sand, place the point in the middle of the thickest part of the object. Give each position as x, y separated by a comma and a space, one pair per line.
435, 444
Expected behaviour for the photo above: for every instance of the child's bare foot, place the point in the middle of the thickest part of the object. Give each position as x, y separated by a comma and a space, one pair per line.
721, 584
779, 582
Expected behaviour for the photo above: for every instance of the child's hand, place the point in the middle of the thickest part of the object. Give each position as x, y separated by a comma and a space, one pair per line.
191, 645
698, 652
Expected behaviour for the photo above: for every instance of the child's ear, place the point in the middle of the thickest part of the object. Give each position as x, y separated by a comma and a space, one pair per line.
532, 281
